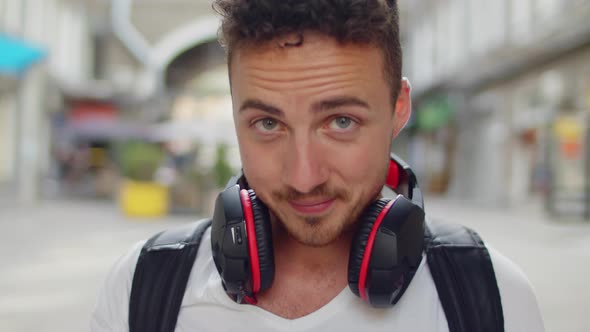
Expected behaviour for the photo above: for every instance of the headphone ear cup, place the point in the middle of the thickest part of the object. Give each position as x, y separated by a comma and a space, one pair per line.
359, 242
263, 232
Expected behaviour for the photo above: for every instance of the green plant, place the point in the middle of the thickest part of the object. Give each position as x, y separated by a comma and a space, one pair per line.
222, 171
139, 160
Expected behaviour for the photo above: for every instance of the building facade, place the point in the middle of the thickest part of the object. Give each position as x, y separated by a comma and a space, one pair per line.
123, 53
61, 29
516, 79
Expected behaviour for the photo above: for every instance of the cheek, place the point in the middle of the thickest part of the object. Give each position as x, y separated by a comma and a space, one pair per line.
261, 167
361, 168
362, 162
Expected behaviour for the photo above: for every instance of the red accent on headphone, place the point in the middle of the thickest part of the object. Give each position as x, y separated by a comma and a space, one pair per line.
368, 250
250, 300
392, 175
251, 234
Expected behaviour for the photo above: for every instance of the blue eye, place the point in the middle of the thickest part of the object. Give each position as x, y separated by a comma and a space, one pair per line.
341, 122
267, 124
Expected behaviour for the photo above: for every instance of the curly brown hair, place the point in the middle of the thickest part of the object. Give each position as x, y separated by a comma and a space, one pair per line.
373, 22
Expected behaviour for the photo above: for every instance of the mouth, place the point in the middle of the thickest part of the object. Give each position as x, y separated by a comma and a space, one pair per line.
312, 208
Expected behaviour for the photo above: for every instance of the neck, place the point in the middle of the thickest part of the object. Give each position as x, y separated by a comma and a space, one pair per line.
306, 278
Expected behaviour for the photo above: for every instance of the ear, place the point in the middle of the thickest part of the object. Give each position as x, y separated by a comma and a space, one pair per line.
403, 107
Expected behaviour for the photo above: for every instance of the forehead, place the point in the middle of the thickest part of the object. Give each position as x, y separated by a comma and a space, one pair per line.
316, 54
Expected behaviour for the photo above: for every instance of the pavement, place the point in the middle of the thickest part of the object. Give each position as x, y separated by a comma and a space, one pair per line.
55, 256
554, 253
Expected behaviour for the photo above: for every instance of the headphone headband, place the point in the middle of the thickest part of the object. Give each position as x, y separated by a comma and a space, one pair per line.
408, 183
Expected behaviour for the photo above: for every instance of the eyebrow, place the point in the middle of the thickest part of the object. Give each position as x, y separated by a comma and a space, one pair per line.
324, 105
259, 105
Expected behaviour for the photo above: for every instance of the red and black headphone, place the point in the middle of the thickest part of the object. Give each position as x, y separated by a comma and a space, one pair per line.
385, 253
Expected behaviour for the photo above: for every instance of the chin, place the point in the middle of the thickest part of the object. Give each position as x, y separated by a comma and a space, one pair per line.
317, 231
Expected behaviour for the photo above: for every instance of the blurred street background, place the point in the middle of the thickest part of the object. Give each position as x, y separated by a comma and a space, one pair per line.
115, 123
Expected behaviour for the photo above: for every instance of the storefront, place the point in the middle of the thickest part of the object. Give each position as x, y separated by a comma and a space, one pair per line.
433, 148
7, 124
17, 58
551, 121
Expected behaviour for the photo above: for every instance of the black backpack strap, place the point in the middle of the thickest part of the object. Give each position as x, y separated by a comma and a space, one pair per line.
462, 270
160, 278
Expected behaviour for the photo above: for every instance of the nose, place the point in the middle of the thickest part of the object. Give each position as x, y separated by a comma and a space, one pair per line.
304, 168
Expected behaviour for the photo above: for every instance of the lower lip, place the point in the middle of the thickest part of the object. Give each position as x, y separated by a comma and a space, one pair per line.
312, 209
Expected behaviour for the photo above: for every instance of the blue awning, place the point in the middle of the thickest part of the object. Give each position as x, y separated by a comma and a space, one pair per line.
16, 56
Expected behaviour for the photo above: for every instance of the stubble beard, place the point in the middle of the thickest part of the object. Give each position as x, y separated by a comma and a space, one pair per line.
322, 231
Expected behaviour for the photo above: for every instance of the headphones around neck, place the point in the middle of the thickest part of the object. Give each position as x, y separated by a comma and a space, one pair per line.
384, 256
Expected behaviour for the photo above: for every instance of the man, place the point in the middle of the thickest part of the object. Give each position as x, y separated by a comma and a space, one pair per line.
317, 99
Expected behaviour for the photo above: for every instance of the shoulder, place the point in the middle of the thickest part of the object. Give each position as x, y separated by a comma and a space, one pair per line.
204, 283
112, 307
519, 302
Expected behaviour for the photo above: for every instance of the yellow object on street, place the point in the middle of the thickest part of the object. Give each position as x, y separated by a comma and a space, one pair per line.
144, 199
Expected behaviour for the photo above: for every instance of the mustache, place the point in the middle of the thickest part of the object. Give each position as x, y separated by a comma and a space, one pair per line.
319, 192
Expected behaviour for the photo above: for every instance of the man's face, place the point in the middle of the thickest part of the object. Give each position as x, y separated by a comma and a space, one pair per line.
314, 125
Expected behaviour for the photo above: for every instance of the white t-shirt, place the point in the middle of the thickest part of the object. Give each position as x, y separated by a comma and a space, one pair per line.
206, 307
